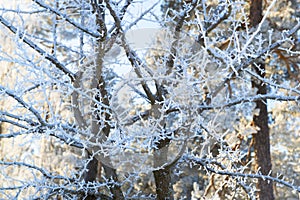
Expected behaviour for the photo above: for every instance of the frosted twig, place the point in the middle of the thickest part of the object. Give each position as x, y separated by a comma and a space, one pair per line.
249, 61
20, 34
64, 16
23, 103
205, 163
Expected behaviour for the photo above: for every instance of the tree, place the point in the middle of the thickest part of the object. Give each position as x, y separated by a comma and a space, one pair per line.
261, 139
176, 124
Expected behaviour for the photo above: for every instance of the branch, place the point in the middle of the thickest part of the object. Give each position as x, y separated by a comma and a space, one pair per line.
113, 32
205, 163
80, 187
20, 34
249, 61
76, 106
250, 99
22, 11
141, 16
45, 173
20, 118
122, 13
14, 123
69, 140
131, 55
65, 17
24, 104
178, 27
264, 80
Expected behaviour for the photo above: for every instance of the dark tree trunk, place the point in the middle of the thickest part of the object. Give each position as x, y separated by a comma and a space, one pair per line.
116, 190
261, 140
92, 168
262, 147
91, 174
162, 176
163, 184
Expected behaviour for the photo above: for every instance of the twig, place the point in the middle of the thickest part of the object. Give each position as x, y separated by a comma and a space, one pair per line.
45, 173
131, 55
205, 163
249, 61
20, 34
65, 17
23, 103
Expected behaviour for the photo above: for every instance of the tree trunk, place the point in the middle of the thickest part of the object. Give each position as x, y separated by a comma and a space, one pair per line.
261, 140
115, 189
163, 184
262, 147
162, 176
91, 174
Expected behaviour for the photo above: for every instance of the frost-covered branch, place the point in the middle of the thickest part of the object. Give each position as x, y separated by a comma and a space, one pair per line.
250, 99
251, 60
271, 83
20, 34
45, 173
65, 17
13, 123
70, 185
19, 118
131, 55
66, 138
23, 11
208, 165
30, 108
141, 16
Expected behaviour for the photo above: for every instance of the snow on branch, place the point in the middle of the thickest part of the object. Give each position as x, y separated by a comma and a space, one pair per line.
23, 103
131, 55
250, 60
45, 173
207, 164
65, 17
251, 99
141, 16
20, 34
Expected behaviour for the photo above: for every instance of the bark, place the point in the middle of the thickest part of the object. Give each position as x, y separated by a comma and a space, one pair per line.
162, 176
100, 124
262, 147
91, 174
163, 184
115, 189
261, 140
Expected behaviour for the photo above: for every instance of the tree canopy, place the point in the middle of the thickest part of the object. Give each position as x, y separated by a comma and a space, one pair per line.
149, 99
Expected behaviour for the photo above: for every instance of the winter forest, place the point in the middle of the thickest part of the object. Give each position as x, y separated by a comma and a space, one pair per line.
166, 99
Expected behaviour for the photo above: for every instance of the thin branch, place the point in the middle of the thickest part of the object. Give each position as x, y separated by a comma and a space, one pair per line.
23, 103
205, 163
20, 34
13, 135
141, 16
22, 11
250, 99
13, 123
45, 173
177, 30
250, 60
264, 80
122, 14
113, 31
131, 55
69, 140
18, 117
65, 17
145, 114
